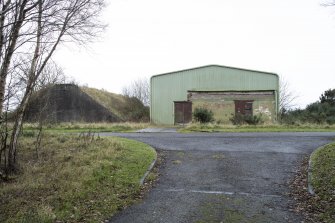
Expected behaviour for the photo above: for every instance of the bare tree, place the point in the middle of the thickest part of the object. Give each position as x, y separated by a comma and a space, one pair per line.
139, 89
51, 75
287, 98
30, 32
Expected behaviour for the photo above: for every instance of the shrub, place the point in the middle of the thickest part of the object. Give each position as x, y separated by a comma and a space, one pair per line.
239, 119
253, 119
135, 111
203, 115
320, 112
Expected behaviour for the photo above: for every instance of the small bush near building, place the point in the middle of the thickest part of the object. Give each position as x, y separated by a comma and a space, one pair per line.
203, 115
239, 119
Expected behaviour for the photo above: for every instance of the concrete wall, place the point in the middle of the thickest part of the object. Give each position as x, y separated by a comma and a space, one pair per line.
66, 103
223, 106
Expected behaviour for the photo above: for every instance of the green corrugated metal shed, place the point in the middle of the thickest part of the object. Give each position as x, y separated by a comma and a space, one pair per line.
170, 87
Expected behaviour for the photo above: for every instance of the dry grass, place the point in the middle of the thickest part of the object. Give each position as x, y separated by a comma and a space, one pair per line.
111, 101
75, 179
86, 127
197, 127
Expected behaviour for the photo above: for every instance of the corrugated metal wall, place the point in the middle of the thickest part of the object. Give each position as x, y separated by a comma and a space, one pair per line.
170, 87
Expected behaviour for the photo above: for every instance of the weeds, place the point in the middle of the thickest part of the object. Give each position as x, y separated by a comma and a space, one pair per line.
239, 119
86, 137
259, 128
75, 179
88, 127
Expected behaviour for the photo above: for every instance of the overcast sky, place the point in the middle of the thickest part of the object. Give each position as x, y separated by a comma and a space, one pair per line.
293, 38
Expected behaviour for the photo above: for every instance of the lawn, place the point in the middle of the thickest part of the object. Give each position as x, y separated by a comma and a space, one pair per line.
74, 178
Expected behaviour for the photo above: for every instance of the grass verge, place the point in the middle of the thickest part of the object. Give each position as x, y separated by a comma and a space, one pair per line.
321, 206
74, 179
323, 180
68, 127
256, 128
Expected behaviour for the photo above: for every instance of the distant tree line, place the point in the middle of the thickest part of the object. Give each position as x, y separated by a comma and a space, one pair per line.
319, 112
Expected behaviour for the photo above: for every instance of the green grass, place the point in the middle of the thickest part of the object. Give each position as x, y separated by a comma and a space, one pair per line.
256, 128
86, 127
74, 179
323, 180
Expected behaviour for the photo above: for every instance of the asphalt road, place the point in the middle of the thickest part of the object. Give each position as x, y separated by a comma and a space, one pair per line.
224, 177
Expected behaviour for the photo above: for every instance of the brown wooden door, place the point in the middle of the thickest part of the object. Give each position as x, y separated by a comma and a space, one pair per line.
182, 112
243, 107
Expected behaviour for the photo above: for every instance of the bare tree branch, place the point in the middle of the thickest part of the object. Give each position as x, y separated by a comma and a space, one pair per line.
287, 98
139, 89
31, 31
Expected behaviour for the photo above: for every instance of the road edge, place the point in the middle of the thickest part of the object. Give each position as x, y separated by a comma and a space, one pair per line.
309, 174
149, 169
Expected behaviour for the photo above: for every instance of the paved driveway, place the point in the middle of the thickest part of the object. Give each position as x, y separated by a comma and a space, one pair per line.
226, 177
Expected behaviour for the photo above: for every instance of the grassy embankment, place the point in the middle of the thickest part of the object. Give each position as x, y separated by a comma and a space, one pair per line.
257, 128
74, 179
323, 182
86, 127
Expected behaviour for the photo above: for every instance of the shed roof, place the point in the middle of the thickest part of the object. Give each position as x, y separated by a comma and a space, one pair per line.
215, 65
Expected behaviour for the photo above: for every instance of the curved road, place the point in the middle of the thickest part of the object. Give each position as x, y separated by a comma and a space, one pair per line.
223, 177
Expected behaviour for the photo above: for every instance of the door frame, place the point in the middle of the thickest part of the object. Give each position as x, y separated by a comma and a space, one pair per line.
186, 112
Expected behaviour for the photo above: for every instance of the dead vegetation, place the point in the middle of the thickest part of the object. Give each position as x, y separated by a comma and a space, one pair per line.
75, 178
314, 208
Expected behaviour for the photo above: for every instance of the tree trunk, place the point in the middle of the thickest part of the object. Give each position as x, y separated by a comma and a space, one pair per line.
32, 77
12, 150
74, 19
4, 66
